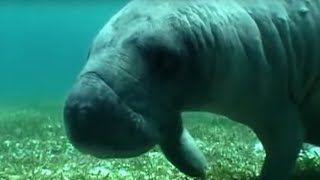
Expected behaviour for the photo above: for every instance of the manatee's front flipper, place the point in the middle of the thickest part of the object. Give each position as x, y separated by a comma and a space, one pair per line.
181, 150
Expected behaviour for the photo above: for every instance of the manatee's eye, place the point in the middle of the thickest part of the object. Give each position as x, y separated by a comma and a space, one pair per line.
162, 61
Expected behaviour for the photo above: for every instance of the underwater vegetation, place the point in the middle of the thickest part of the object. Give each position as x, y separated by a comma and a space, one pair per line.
33, 145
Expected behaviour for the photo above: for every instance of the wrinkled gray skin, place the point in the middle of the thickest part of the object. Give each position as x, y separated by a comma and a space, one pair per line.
255, 61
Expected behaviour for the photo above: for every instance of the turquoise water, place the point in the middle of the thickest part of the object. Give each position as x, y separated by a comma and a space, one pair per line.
43, 45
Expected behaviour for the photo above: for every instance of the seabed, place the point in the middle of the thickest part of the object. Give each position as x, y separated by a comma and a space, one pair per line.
33, 145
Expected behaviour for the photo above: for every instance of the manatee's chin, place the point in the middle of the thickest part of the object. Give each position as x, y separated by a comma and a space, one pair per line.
122, 142
107, 152
133, 141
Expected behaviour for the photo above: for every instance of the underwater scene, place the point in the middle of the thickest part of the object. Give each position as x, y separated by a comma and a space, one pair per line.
49, 129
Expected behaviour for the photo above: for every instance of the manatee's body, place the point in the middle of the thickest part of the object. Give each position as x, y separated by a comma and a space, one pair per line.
255, 61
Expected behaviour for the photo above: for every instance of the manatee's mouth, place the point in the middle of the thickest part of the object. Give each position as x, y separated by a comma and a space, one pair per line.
101, 124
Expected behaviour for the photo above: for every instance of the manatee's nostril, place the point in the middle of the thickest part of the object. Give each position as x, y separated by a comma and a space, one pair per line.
77, 114
81, 112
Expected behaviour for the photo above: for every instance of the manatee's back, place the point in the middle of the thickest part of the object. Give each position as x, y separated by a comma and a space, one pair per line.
304, 28
290, 32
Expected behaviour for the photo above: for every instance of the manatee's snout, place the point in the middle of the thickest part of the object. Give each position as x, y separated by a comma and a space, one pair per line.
99, 123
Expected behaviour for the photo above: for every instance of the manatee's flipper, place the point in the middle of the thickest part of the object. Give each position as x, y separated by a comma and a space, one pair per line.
181, 150
282, 135
311, 124
311, 117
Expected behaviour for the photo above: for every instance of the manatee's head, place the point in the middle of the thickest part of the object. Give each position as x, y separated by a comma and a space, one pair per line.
139, 76
99, 122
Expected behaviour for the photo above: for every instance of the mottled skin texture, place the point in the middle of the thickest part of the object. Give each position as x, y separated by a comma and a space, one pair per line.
255, 61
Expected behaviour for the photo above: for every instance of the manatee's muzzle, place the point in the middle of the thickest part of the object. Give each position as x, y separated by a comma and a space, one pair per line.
99, 123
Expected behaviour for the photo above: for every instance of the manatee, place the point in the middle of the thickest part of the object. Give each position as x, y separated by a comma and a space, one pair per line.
254, 61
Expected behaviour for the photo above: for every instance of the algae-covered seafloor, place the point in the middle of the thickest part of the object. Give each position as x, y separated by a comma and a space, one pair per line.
33, 145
